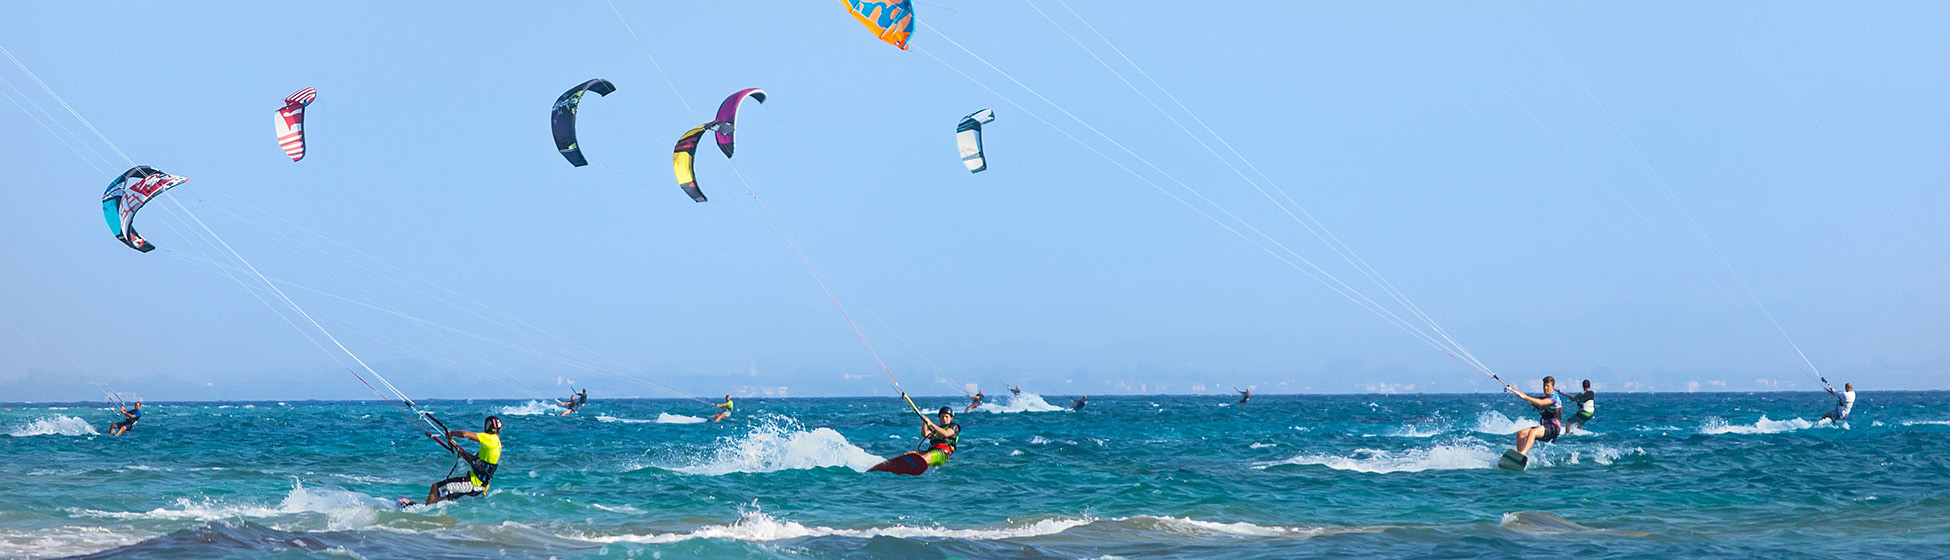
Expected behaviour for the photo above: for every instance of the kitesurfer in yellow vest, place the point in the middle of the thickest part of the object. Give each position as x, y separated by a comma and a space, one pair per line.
726, 413
480, 465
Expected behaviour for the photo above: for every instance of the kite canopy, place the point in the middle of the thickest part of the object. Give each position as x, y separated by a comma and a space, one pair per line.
968, 135
892, 22
684, 159
290, 123
728, 115
126, 194
562, 119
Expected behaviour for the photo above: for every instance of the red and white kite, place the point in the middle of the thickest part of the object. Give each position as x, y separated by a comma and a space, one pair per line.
291, 123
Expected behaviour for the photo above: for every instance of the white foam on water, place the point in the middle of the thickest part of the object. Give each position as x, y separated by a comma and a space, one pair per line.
60, 542
777, 444
56, 425
759, 527
1414, 431
668, 418
343, 510
608, 418
1257, 445
1437, 457
1537, 523
1926, 422
1493, 422
1026, 402
531, 408
1602, 455
1715, 425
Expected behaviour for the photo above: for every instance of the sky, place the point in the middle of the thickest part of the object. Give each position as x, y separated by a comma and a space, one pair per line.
1663, 196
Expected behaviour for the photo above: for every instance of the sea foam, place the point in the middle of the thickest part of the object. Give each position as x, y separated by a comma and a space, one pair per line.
1437, 457
777, 444
1716, 425
1026, 402
54, 426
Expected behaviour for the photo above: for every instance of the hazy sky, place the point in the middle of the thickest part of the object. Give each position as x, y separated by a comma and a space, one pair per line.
1653, 195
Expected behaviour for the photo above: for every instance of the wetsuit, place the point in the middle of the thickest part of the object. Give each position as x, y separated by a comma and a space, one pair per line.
1587, 408
940, 448
1077, 404
480, 469
1844, 403
127, 423
1551, 417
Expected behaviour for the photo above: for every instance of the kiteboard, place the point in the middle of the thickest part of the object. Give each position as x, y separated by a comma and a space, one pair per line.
1512, 460
911, 463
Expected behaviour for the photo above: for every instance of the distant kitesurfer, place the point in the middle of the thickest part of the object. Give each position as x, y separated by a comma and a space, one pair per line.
1844, 402
1245, 395
480, 465
1550, 415
1077, 403
942, 437
1015, 391
135, 414
576, 400
725, 412
975, 400
1587, 407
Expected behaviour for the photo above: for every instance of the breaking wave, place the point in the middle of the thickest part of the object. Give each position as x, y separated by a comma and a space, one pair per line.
54, 426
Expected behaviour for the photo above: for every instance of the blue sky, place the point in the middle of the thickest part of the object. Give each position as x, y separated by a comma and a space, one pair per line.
1649, 195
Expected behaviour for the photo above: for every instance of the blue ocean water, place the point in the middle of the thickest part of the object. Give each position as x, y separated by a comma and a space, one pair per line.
1658, 476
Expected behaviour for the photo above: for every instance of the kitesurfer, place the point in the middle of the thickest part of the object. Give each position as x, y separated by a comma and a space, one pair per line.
480, 465
974, 400
726, 412
1844, 402
1245, 395
942, 436
1550, 415
131, 416
1015, 391
1587, 402
576, 400
1077, 403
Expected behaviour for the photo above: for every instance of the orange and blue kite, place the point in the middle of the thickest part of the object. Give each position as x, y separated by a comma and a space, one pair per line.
890, 21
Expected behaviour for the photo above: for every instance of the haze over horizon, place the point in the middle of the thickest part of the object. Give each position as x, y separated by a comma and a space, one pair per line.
1654, 201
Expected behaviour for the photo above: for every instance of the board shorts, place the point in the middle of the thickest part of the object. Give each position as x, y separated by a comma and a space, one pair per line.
1551, 430
1580, 418
123, 424
459, 486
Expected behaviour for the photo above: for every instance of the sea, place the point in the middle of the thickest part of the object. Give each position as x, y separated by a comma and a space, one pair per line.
1719, 475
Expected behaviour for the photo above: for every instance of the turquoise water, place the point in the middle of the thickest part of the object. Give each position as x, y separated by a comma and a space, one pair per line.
1660, 476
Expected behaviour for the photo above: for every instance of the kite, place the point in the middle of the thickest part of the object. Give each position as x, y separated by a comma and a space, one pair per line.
892, 22
728, 115
563, 118
968, 135
291, 123
684, 159
126, 194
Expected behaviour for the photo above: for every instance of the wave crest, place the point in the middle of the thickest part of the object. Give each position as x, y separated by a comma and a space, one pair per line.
57, 425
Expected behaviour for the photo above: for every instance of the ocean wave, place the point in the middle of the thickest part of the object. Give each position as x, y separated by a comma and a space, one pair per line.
531, 408
54, 426
1438, 457
759, 527
1414, 431
777, 444
66, 541
1257, 445
343, 510
1026, 402
1926, 422
1602, 455
1537, 523
608, 418
1716, 425
668, 418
